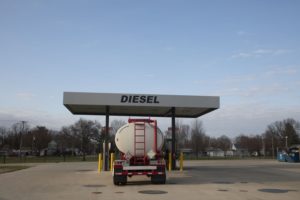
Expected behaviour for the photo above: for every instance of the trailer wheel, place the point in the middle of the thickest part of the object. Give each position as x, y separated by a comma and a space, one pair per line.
116, 182
158, 179
163, 180
124, 180
120, 180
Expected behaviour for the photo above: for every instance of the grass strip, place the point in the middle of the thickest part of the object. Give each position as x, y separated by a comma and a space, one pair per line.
11, 168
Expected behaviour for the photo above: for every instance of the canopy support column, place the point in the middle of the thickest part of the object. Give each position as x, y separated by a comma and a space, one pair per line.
106, 138
173, 140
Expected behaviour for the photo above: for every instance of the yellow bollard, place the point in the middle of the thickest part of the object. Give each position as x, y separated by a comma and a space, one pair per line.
181, 161
112, 159
170, 161
102, 162
99, 162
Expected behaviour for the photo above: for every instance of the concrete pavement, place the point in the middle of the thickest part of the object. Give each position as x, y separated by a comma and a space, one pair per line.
209, 180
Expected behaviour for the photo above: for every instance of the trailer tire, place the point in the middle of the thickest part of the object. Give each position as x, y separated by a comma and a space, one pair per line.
116, 181
120, 180
124, 182
158, 179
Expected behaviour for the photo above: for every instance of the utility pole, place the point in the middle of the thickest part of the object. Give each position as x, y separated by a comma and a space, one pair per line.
106, 150
273, 146
21, 132
263, 146
33, 144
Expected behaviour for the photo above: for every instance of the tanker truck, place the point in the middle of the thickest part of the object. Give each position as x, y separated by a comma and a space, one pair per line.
140, 143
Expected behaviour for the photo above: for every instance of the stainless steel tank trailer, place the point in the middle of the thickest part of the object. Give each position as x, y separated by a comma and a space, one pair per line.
140, 142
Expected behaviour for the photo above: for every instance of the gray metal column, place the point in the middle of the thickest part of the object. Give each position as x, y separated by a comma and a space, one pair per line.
173, 140
106, 150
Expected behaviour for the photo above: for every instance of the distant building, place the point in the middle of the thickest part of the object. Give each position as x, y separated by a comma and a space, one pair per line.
51, 150
239, 151
215, 152
295, 148
52, 145
229, 153
187, 151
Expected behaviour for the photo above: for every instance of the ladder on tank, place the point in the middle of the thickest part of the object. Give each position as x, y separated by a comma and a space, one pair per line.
139, 143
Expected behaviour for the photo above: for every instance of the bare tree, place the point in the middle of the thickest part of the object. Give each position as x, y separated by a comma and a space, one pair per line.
199, 141
3, 132
224, 143
116, 124
252, 143
41, 136
66, 139
19, 129
85, 130
255, 144
281, 134
182, 135
271, 140
291, 131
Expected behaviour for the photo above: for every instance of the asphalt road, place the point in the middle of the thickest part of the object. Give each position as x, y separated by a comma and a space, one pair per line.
237, 179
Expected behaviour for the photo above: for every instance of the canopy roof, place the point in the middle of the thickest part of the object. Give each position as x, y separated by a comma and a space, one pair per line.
139, 104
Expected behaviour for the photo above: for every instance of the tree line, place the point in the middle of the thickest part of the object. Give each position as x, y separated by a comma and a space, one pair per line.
87, 137
278, 135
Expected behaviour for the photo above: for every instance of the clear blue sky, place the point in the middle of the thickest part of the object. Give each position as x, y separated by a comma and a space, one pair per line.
246, 52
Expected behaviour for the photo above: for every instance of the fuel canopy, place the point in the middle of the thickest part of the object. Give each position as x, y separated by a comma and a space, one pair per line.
139, 104
107, 104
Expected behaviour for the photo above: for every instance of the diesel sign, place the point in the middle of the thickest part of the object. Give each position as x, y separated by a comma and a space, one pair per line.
139, 99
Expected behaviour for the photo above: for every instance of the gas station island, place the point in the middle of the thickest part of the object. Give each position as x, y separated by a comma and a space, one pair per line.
148, 105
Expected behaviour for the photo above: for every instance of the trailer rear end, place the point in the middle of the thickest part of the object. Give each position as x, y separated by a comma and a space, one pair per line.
140, 143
